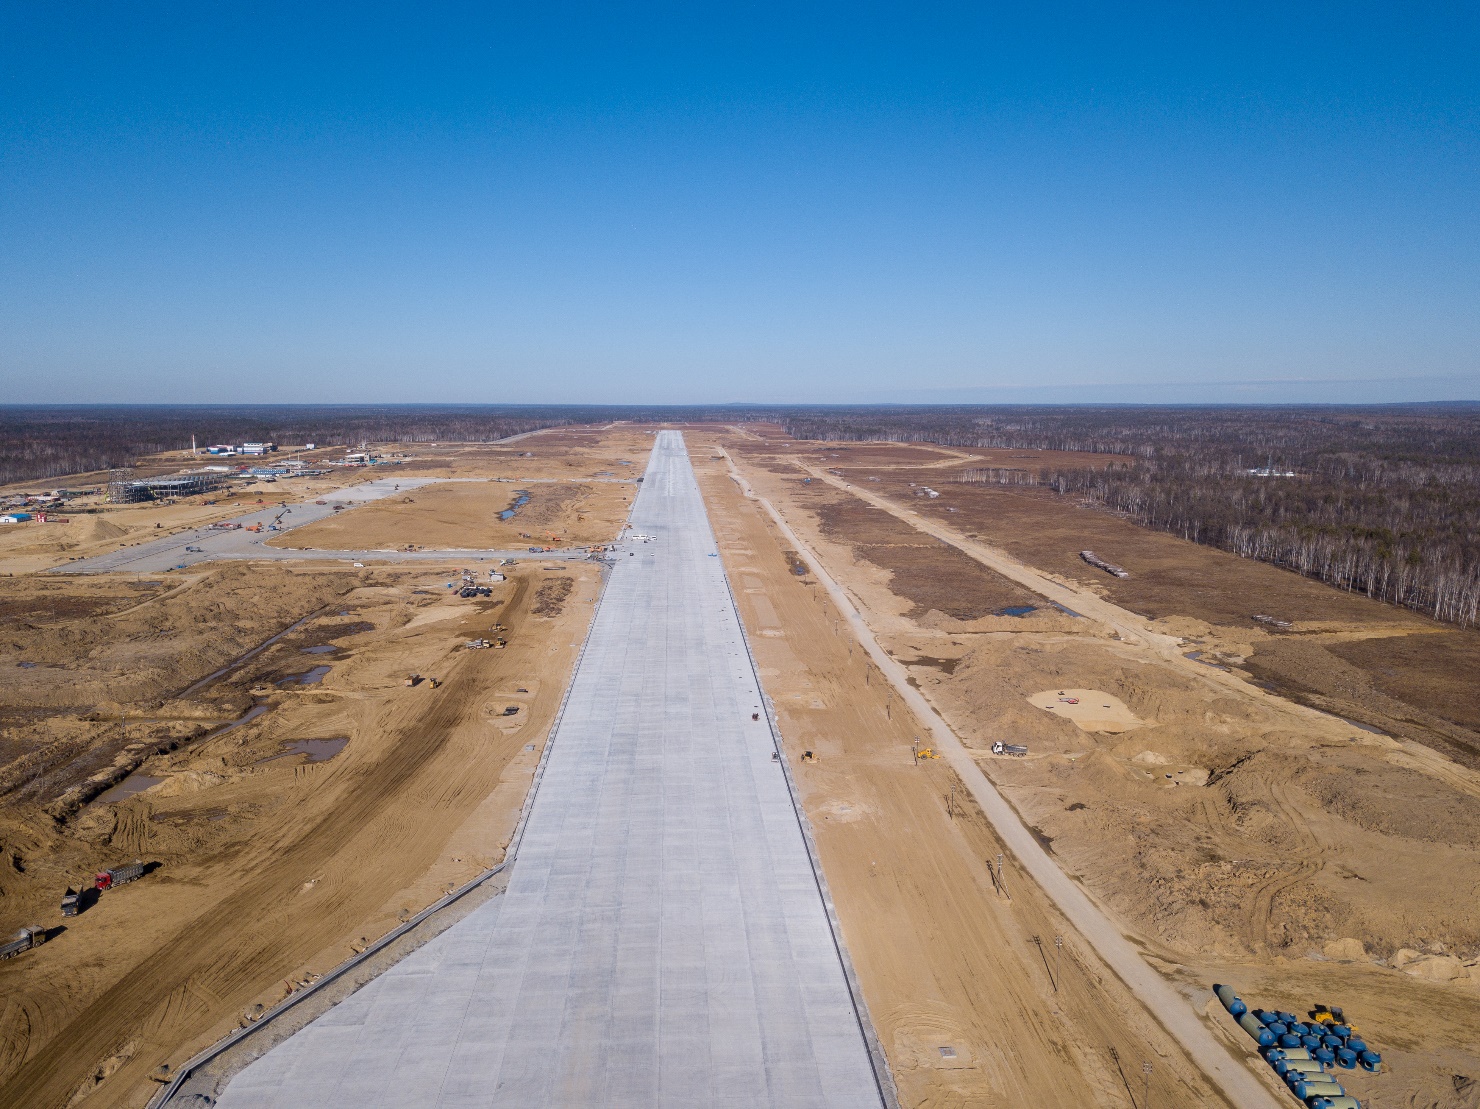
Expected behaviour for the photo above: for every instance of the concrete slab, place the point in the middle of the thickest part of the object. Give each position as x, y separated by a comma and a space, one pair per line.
169, 552
663, 940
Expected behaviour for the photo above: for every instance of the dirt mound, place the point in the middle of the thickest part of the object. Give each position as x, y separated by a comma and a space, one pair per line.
1392, 800
103, 528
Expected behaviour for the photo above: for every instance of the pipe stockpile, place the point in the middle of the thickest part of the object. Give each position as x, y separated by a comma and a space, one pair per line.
1301, 1051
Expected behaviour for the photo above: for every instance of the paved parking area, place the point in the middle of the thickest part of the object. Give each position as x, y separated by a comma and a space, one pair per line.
663, 939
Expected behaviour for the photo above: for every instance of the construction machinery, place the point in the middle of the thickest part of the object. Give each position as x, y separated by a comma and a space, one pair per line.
118, 876
24, 940
1013, 749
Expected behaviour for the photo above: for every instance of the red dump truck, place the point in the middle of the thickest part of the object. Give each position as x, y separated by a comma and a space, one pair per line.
118, 876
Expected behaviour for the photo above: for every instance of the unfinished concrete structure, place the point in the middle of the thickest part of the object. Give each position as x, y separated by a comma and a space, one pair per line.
664, 939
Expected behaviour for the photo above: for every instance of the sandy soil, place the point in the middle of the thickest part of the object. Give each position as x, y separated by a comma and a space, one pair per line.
466, 514
1090, 710
271, 867
1239, 835
945, 960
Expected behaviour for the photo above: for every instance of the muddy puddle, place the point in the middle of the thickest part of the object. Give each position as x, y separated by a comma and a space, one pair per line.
946, 665
1016, 610
521, 498
240, 659
317, 750
133, 784
1197, 656
321, 649
308, 677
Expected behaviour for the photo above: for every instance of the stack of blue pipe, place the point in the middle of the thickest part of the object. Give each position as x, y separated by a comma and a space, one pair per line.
1300, 1052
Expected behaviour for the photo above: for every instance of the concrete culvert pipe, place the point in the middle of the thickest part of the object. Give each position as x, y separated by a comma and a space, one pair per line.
1340, 1101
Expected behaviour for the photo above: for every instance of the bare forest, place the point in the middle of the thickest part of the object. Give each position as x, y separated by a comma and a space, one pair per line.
1384, 501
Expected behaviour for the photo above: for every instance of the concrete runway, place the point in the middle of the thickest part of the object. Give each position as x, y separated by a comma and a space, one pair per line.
169, 552
664, 939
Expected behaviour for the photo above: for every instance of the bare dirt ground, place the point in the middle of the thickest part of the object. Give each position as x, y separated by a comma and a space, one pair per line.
1238, 835
970, 1009
464, 514
562, 509
269, 864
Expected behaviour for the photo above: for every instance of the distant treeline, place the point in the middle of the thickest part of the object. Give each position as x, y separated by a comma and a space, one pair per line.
1385, 501
46, 441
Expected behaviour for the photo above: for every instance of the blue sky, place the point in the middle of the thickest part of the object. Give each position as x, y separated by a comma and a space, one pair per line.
695, 203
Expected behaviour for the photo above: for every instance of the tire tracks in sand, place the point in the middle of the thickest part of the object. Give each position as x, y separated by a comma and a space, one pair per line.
281, 914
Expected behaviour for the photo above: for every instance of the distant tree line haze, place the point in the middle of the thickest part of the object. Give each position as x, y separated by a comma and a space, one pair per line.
1384, 501
44, 441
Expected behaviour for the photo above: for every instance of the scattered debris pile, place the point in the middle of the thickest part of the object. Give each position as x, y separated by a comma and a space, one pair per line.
1098, 562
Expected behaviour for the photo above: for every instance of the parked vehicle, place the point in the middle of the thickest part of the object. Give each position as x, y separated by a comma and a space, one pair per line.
1013, 749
